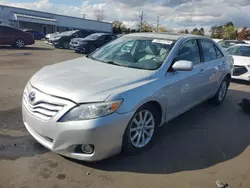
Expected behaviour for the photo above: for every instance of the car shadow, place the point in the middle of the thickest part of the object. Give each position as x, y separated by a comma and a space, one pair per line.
26, 48
198, 139
244, 82
15, 142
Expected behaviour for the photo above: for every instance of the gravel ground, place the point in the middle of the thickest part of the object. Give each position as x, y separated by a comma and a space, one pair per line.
194, 150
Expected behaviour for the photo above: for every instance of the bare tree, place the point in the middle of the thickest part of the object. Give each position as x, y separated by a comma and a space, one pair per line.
99, 14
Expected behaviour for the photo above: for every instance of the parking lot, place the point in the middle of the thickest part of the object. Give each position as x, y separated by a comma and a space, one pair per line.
194, 150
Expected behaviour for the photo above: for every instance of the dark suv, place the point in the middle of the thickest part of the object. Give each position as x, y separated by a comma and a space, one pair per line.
91, 42
37, 35
62, 40
15, 37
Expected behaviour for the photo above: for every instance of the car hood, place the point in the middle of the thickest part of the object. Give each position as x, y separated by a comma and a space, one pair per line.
241, 60
85, 80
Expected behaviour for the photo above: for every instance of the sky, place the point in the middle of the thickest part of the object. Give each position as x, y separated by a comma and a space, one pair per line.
172, 13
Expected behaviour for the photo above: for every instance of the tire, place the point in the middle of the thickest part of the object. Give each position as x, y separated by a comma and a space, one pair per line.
66, 45
92, 48
19, 43
221, 93
130, 144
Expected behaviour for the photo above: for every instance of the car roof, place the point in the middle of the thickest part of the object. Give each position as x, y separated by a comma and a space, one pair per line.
164, 35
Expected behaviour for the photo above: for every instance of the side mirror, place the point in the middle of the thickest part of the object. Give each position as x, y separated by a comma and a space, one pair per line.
183, 65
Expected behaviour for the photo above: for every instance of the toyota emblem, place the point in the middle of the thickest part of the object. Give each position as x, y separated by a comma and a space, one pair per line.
32, 97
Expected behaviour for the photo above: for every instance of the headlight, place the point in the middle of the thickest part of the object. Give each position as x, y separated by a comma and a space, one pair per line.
91, 111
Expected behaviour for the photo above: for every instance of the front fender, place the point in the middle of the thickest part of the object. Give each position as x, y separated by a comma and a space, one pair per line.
139, 94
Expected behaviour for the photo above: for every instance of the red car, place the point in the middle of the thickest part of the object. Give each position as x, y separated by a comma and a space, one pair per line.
15, 37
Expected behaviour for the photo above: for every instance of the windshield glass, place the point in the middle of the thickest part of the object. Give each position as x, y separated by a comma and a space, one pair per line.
67, 33
93, 36
229, 43
135, 52
239, 50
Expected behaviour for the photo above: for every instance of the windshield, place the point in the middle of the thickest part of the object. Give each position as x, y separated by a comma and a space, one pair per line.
67, 33
239, 50
135, 52
93, 36
229, 43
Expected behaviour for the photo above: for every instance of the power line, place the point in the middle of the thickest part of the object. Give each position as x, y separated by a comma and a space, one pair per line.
158, 20
141, 21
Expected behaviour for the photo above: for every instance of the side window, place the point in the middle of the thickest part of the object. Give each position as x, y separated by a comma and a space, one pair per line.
102, 37
189, 51
6, 30
208, 50
108, 37
218, 52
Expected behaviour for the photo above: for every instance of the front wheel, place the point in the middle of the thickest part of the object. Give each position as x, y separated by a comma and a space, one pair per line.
141, 130
19, 43
221, 93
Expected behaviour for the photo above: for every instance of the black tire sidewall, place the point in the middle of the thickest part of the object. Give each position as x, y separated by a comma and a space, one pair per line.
216, 97
64, 45
127, 147
92, 48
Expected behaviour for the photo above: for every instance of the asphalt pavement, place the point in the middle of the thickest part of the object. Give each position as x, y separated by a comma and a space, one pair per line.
194, 150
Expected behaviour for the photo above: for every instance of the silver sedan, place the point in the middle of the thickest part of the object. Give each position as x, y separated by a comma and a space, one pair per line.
116, 98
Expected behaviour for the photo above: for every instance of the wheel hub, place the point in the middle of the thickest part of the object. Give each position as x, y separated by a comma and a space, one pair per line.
142, 128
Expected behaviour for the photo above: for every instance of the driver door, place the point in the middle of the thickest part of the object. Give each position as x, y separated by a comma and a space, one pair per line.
182, 90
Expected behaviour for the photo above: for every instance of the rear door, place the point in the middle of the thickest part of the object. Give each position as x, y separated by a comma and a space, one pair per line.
100, 41
212, 68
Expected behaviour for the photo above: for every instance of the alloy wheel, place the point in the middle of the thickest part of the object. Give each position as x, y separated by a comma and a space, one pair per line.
66, 45
142, 128
20, 43
223, 91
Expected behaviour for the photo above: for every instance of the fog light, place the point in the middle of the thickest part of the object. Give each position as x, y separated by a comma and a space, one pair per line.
87, 148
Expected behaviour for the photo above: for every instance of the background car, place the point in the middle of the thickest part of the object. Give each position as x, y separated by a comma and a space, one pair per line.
228, 43
62, 40
241, 55
37, 35
15, 37
91, 42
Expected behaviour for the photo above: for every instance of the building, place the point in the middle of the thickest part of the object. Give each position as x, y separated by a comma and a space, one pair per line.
48, 22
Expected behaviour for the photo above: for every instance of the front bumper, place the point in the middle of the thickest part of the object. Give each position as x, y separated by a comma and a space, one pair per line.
243, 74
104, 133
80, 48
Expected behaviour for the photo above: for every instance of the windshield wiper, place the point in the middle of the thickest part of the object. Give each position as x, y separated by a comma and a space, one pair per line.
112, 63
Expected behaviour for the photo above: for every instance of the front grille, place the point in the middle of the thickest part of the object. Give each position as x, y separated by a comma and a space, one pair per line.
41, 108
239, 70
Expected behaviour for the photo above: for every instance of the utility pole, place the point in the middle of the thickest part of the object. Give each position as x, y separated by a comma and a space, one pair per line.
141, 21
158, 23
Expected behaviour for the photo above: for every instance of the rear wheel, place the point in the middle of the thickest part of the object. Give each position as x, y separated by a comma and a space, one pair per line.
19, 43
221, 93
141, 130
66, 45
